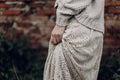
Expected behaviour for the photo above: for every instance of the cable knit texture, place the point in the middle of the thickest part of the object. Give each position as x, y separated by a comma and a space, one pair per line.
88, 12
78, 55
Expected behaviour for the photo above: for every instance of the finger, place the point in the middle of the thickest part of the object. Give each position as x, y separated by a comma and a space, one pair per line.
51, 39
54, 40
61, 38
57, 38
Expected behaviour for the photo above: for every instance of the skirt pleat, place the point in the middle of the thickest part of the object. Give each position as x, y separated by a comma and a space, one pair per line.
77, 56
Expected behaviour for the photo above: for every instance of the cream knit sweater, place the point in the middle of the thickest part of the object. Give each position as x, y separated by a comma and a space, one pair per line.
90, 13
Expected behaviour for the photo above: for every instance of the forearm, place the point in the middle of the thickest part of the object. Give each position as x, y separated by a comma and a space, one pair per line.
62, 19
69, 8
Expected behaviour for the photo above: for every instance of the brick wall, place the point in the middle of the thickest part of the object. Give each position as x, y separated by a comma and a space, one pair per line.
36, 18
112, 25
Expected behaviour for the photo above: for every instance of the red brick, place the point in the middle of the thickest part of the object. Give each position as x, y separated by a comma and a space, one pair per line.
109, 42
46, 12
37, 5
50, 4
114, 10
112, 37
2, 5
11, 0
41, 12
108, 36
10, 12
24, 24
14, 6
115, 3
113, 30
9, 6
19, 6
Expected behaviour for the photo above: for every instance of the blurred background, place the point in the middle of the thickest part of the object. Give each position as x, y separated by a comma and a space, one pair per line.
25, 27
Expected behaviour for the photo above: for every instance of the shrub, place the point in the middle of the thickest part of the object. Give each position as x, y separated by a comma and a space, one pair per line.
110, 66
18, 60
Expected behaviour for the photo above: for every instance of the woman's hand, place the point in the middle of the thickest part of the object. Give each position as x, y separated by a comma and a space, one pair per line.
56, 35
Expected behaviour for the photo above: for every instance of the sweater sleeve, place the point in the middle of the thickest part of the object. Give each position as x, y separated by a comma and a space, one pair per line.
67, 8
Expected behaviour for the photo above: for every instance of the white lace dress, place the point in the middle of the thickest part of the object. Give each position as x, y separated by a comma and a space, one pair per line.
77, 57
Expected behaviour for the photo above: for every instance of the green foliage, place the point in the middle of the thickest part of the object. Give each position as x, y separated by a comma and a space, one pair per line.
110, 66
18, 60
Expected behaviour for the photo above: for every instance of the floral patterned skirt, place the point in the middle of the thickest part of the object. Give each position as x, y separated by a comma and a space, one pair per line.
77, 57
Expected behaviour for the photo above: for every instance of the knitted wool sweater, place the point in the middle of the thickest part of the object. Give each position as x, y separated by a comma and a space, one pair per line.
90, 13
